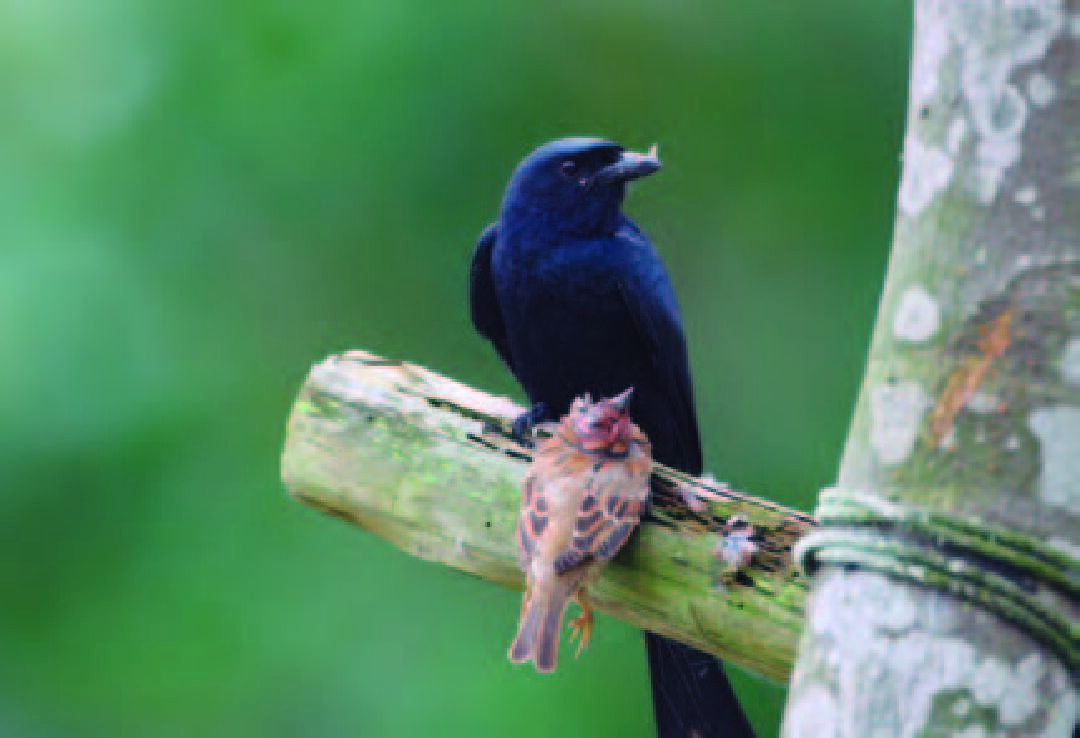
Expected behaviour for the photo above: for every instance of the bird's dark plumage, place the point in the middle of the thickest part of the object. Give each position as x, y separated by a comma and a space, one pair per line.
575, 300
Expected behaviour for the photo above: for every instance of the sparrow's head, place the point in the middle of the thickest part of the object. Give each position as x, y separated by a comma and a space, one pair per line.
604, 425
574, 186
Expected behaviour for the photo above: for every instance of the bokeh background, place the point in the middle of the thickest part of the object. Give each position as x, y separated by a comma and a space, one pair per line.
200, 200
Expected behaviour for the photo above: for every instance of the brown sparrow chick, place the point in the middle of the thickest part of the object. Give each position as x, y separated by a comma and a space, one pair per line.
583, 496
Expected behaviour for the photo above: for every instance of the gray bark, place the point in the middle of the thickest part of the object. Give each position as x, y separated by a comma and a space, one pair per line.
970, 405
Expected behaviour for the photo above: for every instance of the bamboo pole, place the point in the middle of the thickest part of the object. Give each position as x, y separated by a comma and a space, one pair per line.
947, 599
427, 463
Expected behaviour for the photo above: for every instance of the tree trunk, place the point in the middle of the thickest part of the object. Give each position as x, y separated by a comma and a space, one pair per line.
945, 599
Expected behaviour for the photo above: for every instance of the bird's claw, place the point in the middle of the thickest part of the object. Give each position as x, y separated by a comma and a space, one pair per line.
523, 426
581, 626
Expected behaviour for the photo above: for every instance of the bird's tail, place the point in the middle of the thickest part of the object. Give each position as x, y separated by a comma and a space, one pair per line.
537, 637
691, 693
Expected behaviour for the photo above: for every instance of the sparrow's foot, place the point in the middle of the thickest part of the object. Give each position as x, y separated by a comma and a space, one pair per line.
522, 429
582, 624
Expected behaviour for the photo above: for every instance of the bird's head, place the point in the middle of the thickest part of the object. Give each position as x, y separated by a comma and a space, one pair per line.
604, 425
574, 186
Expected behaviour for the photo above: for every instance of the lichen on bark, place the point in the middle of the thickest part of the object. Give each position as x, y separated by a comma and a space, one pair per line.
970, 404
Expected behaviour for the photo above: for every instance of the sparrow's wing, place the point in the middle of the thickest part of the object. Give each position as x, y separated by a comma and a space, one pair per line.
610, 510
555, 464
532, 520
484, 306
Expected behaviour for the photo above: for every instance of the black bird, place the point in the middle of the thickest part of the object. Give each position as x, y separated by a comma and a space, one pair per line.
575, 299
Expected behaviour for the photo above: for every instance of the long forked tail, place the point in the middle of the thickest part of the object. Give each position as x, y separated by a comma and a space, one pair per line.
537, 638
691, 693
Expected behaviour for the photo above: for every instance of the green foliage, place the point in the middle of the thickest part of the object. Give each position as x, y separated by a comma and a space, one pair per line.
198, 201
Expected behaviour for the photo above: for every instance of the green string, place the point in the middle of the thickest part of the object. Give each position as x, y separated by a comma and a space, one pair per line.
1001, 570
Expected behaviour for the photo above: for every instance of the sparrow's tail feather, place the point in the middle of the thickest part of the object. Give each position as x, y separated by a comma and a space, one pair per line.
537, 638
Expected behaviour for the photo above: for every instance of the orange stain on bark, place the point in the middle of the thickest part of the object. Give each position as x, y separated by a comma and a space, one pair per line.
994, 339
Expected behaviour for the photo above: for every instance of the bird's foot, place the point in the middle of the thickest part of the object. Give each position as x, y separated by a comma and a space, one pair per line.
523, 426
581, 626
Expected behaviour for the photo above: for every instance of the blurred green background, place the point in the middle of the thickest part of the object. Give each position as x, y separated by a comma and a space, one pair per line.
199, 200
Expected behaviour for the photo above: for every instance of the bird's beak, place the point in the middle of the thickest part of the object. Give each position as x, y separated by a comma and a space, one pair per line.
630, 165
622, 402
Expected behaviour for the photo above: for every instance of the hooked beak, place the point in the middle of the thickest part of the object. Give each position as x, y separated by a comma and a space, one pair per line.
622, 402
630, 165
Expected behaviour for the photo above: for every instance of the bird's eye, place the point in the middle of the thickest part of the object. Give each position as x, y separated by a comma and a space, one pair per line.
568, 168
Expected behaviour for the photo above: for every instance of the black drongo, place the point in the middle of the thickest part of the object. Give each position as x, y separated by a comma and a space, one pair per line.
575, 300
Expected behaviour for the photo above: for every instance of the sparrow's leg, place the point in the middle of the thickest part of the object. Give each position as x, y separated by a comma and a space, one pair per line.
582, 624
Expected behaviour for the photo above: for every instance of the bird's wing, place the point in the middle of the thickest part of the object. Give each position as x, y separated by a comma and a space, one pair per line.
691, 693
484, 306
531, 522
609, 511
650, 304
555, 469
